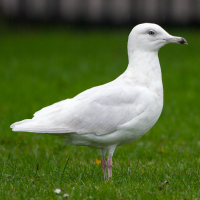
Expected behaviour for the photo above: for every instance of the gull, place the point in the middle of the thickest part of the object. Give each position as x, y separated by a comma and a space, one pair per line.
118, 112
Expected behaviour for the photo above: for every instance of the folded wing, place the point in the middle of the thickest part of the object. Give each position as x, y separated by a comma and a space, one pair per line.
99, 110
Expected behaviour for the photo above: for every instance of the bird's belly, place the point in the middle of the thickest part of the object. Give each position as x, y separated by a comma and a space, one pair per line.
138, 127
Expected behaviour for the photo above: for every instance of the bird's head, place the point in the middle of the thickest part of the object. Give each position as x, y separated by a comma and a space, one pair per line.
150, 37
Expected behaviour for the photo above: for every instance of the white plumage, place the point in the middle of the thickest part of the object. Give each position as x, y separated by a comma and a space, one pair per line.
115, 113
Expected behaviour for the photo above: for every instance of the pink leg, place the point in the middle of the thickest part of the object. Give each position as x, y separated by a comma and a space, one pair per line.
109, 165
103, 164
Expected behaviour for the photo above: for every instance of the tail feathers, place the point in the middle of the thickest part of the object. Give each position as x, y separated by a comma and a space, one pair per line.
30, 126
20, 122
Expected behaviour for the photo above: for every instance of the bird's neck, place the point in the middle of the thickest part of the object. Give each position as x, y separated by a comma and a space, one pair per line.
144, 69
144, 61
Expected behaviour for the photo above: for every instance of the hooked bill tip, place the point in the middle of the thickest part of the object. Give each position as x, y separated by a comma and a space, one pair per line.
183, 41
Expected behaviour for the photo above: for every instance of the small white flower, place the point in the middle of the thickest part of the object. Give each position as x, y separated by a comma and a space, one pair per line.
66, 195
57, 191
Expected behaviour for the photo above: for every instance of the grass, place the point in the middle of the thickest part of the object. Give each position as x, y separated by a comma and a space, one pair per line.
41, 66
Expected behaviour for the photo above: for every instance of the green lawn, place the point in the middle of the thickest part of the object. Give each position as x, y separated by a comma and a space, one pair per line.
41, 66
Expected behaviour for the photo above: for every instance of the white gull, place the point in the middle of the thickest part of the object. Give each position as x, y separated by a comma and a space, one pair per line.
115, 113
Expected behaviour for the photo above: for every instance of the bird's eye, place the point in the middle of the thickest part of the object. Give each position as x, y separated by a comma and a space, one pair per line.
151, 32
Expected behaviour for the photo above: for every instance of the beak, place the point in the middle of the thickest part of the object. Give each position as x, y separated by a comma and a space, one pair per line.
179, 40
